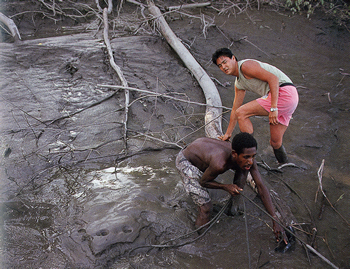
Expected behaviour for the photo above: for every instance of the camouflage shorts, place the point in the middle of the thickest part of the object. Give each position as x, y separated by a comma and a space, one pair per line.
190, 178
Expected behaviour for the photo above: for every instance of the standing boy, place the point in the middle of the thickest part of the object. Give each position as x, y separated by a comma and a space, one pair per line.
279, 97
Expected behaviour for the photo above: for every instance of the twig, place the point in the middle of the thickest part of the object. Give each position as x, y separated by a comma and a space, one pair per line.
143, 151
207, 123
247, 234
117, 69
245, 39
287, 229
340, 197
169, 244
319, 174
326, 242
153, 112
31, 128
293, 190
225, 84
221, 31
264, 165
340, 81
160, 140
26, 85
159, 94
194, 5
25, 112
323, 206
329, 97
288, 165
233, 6
136, 3
57, 10
80, 110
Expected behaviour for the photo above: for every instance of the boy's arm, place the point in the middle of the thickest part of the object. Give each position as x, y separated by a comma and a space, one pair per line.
208, 181
252, 69
238, 101
266, 199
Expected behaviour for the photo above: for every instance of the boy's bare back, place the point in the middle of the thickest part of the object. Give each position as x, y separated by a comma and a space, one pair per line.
205, 151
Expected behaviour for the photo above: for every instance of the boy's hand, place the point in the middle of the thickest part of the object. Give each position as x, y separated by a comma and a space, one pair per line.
279, 233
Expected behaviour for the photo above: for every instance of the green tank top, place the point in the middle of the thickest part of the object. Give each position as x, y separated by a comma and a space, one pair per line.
256, 85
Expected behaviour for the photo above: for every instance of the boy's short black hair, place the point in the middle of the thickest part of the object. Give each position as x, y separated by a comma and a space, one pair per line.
242, 141
222, 52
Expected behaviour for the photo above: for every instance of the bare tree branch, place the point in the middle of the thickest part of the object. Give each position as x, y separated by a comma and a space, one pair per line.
159, 94
117, 69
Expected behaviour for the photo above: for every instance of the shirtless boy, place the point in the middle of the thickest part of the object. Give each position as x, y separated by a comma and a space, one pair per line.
205, 158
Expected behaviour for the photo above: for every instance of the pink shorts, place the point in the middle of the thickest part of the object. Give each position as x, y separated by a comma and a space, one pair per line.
288, 99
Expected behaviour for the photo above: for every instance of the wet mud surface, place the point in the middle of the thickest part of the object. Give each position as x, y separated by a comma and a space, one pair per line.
72, 196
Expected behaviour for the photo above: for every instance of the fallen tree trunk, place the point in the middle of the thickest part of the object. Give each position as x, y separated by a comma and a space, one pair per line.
213, 111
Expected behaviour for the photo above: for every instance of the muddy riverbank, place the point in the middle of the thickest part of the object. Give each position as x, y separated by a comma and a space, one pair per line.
72, 196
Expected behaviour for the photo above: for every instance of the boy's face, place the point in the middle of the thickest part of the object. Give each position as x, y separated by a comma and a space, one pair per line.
226, 64
245, 160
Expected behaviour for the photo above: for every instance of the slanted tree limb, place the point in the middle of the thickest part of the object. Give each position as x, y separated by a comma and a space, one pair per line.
11, 25
117, 69
213, 110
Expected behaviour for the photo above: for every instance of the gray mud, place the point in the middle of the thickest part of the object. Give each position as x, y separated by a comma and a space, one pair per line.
73, 197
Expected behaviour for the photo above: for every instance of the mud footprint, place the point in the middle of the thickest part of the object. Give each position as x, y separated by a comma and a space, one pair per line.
102, 232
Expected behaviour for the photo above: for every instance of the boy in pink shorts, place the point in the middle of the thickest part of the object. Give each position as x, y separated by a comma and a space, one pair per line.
279, 97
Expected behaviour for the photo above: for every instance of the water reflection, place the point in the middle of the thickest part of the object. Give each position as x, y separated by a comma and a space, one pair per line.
125, 207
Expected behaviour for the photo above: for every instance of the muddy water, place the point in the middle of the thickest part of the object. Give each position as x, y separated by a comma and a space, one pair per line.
95, 221
67, 204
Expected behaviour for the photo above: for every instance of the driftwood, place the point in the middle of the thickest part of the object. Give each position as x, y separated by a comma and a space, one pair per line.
11, 25
213, 111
